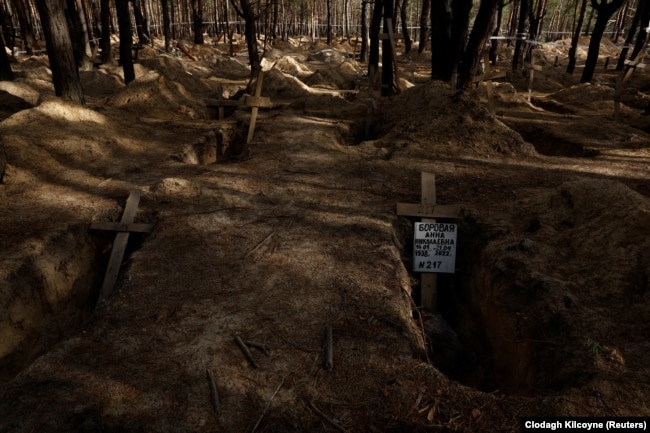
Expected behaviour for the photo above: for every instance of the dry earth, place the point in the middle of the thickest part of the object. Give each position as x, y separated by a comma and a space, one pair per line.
546, 314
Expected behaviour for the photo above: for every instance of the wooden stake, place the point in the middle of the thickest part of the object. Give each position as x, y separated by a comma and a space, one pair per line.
329, 349
214, 397
258, 93
532, 67
246, 352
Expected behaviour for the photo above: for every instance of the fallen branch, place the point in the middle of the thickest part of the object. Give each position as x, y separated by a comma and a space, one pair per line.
247, 353
268, 403
259, 244
214, 397
329, 349
326, 418
261, 346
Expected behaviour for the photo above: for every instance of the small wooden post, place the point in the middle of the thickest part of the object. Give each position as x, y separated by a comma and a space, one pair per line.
488, 76
124, 228
429, 211
531, 67
258, 93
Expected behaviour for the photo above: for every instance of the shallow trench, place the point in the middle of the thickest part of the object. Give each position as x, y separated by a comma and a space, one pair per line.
49, 296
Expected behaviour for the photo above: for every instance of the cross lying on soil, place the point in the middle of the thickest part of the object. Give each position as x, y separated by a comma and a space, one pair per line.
124, 228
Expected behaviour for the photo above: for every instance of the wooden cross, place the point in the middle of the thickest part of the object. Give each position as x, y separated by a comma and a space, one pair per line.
428, 210
531, 67
488, 76
124, 228
256, 102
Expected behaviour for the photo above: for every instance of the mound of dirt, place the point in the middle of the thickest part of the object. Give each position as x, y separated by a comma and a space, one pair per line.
339, 77
455, 119
583, 95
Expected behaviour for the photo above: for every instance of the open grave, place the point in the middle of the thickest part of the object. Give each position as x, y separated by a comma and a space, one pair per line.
288, 244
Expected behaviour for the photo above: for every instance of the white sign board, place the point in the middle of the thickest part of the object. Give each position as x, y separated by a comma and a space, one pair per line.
434, 247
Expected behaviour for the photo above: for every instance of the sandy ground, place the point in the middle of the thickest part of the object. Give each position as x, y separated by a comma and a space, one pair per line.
278, 240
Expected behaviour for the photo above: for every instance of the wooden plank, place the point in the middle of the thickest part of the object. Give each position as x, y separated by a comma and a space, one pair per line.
428, 210
429, 281
121, 227
258, 93
257, 101
119, 245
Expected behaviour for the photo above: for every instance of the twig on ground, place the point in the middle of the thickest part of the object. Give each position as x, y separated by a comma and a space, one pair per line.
329, 349
268, 403
214, 397
326, 418
245, 351
259, 244
261, 346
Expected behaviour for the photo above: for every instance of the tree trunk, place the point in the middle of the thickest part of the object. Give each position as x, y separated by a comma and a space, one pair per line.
449, 26
105, 42
140, 24
605, 11
476, 43
387, 53
363, 56
6, 74
166, 25
124, 23
65, 74
408, 43
641, 16
245, 10
197, 19
522, 28
494, 43
576, 38
329, 22
375, 28
424, 27
26, 29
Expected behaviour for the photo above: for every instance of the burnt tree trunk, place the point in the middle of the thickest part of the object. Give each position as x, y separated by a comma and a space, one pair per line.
494, 44
329, 22
605, 11
141, 26
126, 43
65, 74
6, 74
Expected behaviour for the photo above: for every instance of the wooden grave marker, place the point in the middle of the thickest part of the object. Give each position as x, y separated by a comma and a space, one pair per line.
488, 76
531, 67
428, 211
123, 229
256, 102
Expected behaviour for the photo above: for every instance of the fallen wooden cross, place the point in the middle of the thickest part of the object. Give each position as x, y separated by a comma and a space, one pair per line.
429, 211
488, 76
124, 228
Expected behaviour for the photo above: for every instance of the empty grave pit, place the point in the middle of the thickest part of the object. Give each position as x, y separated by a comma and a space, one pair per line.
484, 336
48, 294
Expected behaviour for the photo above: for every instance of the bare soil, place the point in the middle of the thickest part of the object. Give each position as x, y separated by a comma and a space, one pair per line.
292, 233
